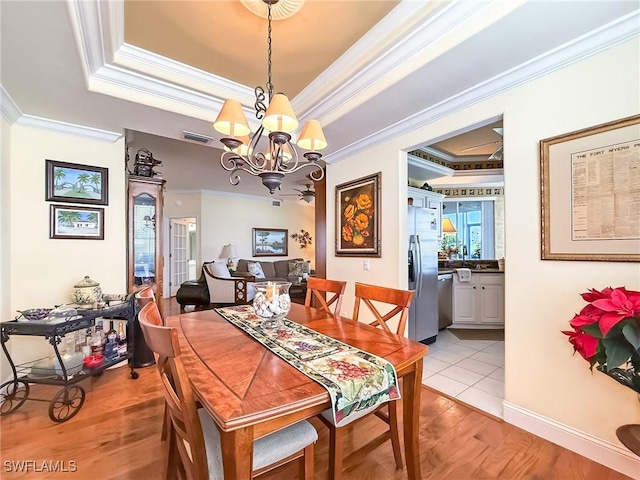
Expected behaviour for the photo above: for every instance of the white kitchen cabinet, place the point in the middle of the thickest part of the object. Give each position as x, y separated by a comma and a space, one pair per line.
428, 199
480, 301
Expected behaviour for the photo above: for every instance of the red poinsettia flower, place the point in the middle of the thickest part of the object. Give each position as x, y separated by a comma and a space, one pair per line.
614, 351
582, 343
589, 314
620, 305
594, 294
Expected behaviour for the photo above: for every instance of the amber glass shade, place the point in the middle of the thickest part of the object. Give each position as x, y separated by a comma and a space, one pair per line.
447, 226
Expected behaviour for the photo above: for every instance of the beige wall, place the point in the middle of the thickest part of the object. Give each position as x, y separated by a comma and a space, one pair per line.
390, 269
541, 297
224, 218
42, 271
5, 246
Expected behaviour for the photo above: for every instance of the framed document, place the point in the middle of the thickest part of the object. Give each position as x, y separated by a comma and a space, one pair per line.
590, 193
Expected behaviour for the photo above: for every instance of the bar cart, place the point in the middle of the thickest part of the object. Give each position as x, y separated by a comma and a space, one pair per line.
67, 402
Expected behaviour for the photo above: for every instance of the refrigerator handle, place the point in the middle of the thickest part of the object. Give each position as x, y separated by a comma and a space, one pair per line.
419, 262
412, 250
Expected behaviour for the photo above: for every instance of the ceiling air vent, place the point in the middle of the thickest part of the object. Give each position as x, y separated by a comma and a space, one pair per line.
196, 137
275, 203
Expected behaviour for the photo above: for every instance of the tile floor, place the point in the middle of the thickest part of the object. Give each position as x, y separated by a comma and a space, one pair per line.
470, 370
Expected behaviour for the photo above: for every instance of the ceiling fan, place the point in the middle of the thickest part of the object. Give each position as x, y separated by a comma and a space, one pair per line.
307, 195
498, 154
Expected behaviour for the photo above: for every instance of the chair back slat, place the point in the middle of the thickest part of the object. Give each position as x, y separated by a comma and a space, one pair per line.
163, 341
317, 287
400, 299
145, 295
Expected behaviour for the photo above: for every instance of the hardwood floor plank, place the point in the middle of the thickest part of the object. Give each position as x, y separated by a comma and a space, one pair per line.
116, 435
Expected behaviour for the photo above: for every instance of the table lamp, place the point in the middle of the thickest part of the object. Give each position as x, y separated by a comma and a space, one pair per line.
229, 251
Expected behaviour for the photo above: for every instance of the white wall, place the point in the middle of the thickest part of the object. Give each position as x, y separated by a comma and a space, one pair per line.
224, 218
42, 271
542, 376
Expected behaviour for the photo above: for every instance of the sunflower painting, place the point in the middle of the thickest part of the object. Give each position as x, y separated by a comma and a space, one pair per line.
358, 217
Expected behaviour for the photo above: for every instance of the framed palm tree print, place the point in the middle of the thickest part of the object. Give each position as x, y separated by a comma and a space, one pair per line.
85, 223
75, 183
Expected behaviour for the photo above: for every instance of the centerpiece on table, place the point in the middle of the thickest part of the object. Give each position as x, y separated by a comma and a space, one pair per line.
272, 302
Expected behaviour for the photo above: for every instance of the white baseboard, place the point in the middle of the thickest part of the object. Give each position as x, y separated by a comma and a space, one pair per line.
606, 453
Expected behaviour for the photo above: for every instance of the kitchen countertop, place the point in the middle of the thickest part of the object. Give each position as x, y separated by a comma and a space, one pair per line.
442, 271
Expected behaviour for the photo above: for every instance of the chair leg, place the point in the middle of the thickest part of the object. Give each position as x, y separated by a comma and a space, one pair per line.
172, 459
165, 423
335, 452
306, 464
395, 435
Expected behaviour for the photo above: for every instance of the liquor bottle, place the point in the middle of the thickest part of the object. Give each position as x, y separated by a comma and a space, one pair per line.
98, 339
121, 340
111, 347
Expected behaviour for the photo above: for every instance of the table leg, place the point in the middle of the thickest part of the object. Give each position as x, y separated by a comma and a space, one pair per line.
411, 388
237, 453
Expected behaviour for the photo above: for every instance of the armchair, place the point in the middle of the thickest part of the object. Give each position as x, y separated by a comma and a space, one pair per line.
225, 289
194, 292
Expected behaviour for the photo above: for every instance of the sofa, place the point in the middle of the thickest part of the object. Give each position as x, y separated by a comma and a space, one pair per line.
274, 271
237, 288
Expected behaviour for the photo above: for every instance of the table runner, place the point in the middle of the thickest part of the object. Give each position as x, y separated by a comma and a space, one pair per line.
357, 381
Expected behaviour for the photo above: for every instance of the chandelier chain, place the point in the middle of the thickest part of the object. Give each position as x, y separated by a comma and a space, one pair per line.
269, 84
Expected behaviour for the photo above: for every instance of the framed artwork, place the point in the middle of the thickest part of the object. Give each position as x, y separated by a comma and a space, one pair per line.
589, 193
358, 217
74, 183
270, 242
85, 223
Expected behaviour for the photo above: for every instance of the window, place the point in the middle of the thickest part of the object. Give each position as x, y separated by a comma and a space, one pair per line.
474, 224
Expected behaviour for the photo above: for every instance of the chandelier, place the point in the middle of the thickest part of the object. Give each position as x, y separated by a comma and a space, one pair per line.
271, 156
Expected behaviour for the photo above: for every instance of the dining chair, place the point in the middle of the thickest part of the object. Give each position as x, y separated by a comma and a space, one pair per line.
317, 287
400, 301
194, 450
143, 296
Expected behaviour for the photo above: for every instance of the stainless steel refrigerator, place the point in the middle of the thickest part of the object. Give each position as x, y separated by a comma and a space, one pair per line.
422, 225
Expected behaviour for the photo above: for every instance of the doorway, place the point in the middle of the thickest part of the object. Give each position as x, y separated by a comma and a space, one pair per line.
183, 250
471, 369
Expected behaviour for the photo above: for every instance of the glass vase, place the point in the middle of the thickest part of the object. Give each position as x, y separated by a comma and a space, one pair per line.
272, 303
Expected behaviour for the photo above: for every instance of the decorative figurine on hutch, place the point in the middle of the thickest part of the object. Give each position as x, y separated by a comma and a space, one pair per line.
145, 163
87, 292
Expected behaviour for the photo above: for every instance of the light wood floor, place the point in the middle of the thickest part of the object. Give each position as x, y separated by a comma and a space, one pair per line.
116, 435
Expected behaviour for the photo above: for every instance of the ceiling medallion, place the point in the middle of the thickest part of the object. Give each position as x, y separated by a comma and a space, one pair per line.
271, 156
283, 9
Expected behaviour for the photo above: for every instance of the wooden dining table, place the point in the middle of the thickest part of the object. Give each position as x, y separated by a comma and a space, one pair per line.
250, 391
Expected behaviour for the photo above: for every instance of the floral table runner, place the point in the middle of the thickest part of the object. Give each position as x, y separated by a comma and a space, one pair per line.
357, 381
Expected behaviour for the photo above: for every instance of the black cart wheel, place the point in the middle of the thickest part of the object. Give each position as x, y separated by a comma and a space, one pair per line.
134, 375
12, 395
66, 403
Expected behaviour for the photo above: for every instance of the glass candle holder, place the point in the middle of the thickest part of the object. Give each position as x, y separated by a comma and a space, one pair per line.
272, 302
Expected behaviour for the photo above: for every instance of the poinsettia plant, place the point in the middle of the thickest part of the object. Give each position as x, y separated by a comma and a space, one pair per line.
606, 333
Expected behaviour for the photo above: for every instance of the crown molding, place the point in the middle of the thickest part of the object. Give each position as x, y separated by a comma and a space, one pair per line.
438, 153
68, 128
8, 107
441, 170
144, 61
247, 196
608, 36
14, 115
392, 42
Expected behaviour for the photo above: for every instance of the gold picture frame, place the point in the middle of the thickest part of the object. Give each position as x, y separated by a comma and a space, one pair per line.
358, 217
588, 199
